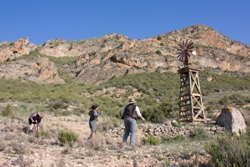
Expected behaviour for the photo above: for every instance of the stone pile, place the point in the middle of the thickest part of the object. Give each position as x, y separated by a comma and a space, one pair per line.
161, 130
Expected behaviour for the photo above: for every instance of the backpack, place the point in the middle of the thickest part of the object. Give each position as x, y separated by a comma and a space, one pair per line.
92, 117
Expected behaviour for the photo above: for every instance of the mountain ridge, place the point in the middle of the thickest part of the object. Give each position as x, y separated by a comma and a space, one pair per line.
99, 59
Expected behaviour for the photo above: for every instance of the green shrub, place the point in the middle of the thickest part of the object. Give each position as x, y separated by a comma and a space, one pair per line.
59, 105
247, 121
158, 52
43, 134
224, 101
79, 111
66, 137
199, 134
159, 38
154, 115
178, 138
229, 151
150, 141
7, 111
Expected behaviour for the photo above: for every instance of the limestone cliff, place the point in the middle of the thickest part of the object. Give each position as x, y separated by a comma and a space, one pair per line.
99, 59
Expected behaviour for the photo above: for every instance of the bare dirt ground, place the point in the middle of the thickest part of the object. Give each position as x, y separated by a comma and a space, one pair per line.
20, 149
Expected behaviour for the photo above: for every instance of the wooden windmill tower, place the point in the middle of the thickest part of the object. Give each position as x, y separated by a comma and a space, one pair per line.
191, 107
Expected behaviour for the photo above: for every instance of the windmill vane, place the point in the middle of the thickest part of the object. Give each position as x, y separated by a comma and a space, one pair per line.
185, 50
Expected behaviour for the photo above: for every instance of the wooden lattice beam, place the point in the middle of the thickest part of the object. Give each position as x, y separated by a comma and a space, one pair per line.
191, 105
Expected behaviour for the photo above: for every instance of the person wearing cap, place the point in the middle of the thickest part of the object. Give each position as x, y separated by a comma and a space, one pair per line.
130, 113
35, 120
94, 113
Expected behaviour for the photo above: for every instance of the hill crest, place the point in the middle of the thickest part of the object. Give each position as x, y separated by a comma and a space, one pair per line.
98, 59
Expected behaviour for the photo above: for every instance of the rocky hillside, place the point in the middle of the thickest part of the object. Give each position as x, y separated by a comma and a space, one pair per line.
99, 59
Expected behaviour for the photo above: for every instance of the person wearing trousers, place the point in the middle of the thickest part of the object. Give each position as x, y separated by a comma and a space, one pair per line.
130, 113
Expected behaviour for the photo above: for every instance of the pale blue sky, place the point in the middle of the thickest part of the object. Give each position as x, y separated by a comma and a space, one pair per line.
43, 20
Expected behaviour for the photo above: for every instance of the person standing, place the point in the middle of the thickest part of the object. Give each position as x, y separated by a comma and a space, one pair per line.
94, 113
130, 113
35, 120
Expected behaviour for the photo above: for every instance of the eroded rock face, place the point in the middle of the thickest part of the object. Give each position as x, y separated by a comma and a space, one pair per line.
40, 70
63, 48
99, 59
10, 51
232, 120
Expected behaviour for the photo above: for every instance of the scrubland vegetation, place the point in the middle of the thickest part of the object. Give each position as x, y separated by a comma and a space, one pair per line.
159, 94
158, 100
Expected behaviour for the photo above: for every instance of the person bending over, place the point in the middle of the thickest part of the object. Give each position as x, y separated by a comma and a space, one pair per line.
35, 120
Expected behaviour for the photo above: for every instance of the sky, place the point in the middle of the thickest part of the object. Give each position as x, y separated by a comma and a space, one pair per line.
43, 20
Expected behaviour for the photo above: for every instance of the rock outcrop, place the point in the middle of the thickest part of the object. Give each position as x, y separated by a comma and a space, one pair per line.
232, 120
40, 70
10, 51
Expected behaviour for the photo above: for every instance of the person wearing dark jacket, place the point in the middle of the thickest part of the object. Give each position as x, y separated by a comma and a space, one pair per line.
94, 113
35, 120
130, 113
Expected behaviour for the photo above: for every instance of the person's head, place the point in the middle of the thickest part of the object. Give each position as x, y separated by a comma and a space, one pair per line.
94, 106
40, 114
131, 101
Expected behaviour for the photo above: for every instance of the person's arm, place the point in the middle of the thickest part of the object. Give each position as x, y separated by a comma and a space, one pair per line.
32, 120
97, 113
141, 117
122, 112
31, 117
100, 112
139, 113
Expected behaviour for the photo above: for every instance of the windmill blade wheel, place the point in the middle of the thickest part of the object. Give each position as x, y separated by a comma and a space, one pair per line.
184, 51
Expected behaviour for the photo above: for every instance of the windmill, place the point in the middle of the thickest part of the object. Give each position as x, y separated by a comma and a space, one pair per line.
191, 107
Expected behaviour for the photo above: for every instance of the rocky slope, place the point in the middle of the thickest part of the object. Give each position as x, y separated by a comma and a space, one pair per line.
99, 59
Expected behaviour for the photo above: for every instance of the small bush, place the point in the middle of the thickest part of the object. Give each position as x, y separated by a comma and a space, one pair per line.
158, 52
159, 38
19, 148
3, 144
224, 101
150, 141
66, 137
43, 134
108, 123
59, 105
9, 137
178, 138
22, 162
79, 111
199, 134
247, 122
154, 115
7, 111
